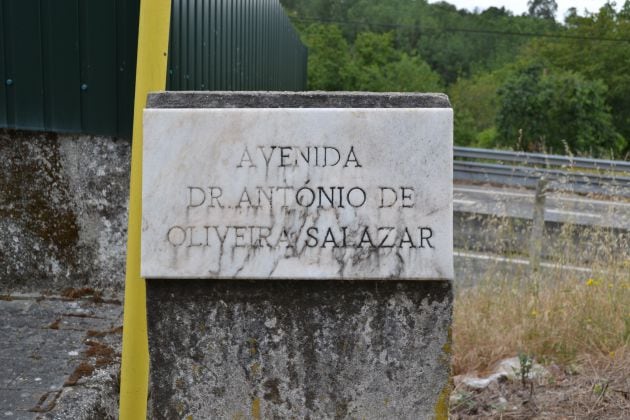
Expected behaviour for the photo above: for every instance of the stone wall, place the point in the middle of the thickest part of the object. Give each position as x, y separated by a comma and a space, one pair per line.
63, 210
299, 349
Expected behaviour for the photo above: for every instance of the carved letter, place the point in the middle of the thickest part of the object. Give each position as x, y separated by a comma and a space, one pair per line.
221, 237
239, 235
404, 196
387, 229
330, 198
284, 237
392, 200
309, 233
423, 238
201, 197
365, 238
330, 235
246, 158
333, 149
176, 235
262, 237
352, 158
191, 242
267, 158
284, 156
215, 193
269, 197
362, 192
297, 196
245, 199
408, 239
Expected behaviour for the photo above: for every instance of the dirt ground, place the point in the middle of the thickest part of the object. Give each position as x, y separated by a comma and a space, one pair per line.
589, 389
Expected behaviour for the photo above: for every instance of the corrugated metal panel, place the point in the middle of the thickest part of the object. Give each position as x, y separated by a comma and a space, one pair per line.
69, 65
234, 45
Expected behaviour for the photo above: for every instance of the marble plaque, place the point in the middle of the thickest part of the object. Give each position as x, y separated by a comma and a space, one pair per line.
293, 193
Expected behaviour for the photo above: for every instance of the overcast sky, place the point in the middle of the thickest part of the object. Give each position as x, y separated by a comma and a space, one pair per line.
520, 6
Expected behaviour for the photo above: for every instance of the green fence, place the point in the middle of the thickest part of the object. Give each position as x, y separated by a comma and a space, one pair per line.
69, 65
234, 45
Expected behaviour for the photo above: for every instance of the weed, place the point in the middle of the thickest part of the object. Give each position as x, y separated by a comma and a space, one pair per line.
526, 363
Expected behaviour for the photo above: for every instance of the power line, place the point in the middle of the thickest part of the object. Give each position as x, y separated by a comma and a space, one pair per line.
464, 30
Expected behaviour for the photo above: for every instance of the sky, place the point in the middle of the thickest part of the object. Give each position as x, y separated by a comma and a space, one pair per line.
520, 6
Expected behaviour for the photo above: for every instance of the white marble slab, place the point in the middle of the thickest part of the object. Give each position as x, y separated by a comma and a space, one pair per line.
319, 193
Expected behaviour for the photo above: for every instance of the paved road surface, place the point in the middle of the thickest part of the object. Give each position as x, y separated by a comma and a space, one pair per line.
44, 343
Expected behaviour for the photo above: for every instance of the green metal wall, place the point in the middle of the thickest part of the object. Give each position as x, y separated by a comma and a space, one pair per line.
234, 45
69, 65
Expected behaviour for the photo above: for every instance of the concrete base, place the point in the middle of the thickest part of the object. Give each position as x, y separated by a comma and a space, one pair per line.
63, 210
299, 349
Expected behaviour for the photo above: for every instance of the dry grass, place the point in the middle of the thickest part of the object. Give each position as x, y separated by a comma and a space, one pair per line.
555, 315
555, 322
575, 323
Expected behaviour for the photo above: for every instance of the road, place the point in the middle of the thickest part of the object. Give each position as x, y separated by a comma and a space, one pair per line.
560, 207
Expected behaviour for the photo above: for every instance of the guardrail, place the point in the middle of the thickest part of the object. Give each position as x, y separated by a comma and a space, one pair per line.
541, 159
564, 173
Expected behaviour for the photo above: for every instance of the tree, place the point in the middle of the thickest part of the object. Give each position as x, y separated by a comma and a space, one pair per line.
377, 66
600, 58
554, 110
455, 43
475, 105
544, 9
328, 57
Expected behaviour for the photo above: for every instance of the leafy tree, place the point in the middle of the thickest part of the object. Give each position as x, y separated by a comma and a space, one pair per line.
416, 46
377, 66
455, 43
545, 9
550, 110
411, 74
476, 104
600, 59
328, 57
370, 64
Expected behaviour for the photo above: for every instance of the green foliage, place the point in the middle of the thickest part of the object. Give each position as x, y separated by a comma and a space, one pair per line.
378, 67
553, 110
526, 363
455, 43
328, 57
545, 9
608, 61
476, 104
579, 99
371, 64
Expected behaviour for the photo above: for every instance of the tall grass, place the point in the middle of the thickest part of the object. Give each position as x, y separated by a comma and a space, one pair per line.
554, 314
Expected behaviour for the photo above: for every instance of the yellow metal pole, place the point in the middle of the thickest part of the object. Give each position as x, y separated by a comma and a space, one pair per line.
150, 76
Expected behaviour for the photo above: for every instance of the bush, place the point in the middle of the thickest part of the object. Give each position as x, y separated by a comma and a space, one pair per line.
553, 110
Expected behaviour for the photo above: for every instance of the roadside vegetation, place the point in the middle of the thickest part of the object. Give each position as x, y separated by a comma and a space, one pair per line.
555, 320
573, 321
517, 82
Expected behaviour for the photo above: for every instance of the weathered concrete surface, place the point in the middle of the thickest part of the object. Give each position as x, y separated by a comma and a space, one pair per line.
59, 357
312, 99
298, 349
63, 210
